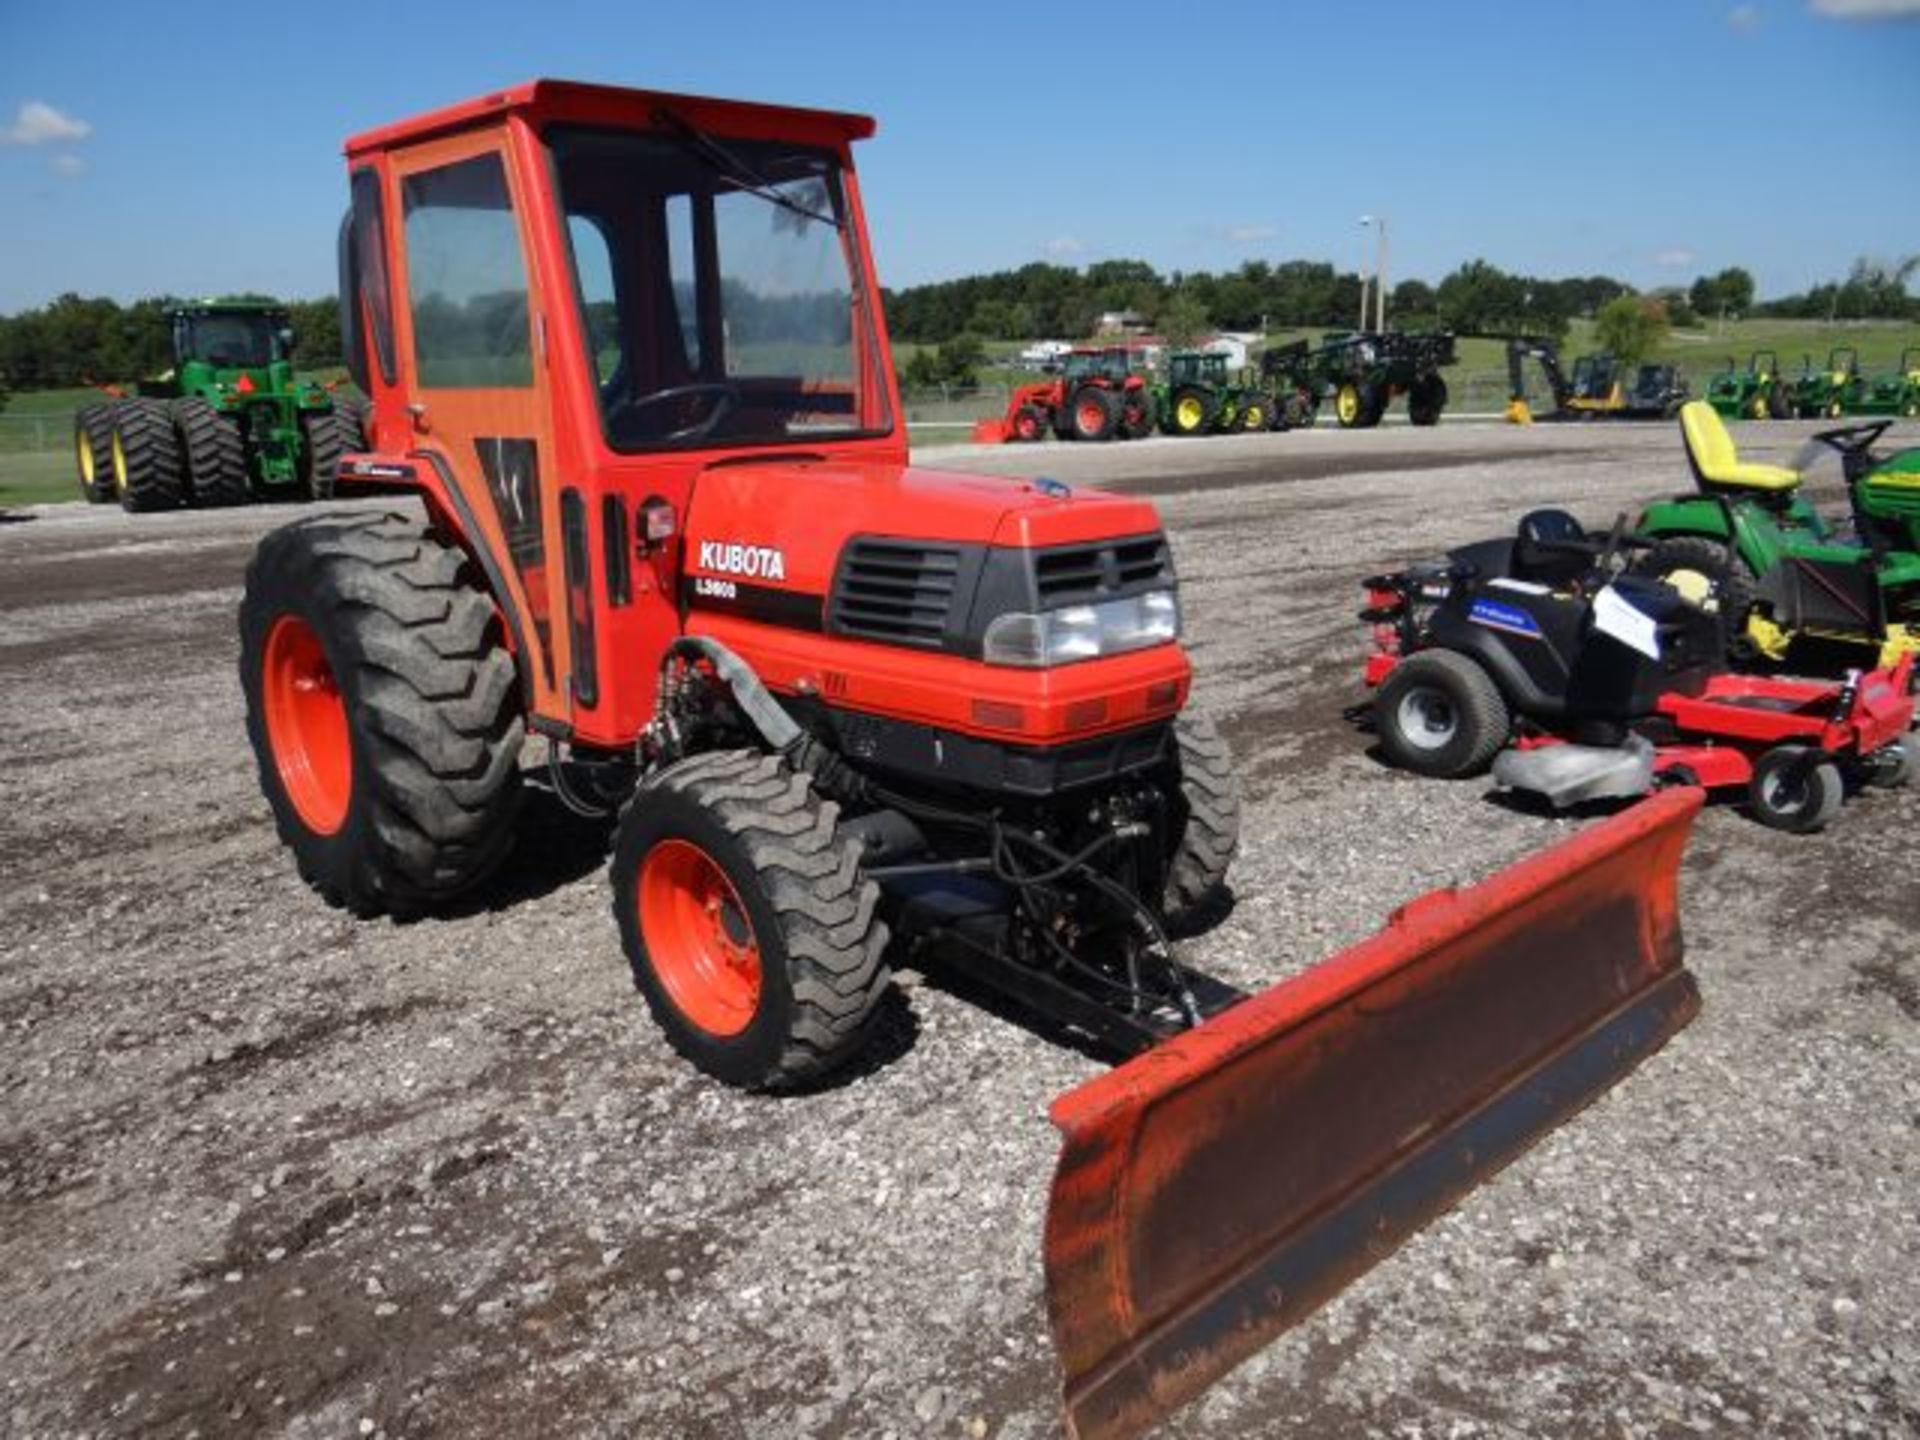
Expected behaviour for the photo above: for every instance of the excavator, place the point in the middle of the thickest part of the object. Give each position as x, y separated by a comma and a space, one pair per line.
1596, 389
844, 710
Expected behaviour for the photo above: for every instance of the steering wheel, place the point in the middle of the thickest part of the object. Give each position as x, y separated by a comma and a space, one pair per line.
726, 397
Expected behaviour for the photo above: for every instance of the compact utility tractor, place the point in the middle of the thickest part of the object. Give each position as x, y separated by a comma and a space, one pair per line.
228, 423
627, 349
1892, 392
1830, 393
1098, 395
1197, 397
1539, 654
1760, 392
1790, 585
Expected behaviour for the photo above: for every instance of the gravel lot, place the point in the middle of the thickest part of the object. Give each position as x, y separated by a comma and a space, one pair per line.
268, 1169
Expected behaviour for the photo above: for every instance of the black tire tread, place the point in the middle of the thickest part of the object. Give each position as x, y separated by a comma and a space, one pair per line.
95, 422
826, 908
1211, 790
152, 452
1482, 707
214, 454
1710, 557
435, 704
325, 437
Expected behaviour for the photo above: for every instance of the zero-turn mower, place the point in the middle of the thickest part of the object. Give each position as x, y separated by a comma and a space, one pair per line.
850, 711
1790, 585
1098, 395
1576, 681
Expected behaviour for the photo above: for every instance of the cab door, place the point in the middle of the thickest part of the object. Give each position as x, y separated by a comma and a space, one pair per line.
471, 321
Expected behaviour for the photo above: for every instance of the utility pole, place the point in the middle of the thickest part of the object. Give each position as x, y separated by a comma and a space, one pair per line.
1379, 224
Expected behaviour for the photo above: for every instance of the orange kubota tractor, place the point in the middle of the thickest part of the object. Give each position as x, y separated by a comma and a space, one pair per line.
1098, 395
626, 349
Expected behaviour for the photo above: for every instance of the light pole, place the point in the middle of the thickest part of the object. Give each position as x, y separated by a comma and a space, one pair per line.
1379, 222
1365, 220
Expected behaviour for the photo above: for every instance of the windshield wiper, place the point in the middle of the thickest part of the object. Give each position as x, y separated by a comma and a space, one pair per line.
736, 169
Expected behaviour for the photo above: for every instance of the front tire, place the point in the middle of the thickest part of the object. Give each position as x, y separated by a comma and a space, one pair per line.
145, 457
1191, 412
752, 933
1093, 413
215, 455
323, 440
1793, 791
93, 451
1441, 715
384, 711
1208, 822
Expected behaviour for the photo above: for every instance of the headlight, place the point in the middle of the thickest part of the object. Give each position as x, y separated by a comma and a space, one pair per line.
1083, 632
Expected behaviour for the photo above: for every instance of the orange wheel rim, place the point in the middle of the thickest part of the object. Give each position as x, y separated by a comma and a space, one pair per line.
699, 937
307, 725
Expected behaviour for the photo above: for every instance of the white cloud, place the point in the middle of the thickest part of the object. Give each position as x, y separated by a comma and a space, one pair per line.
1246, 234
66, 165
1676, 258
1866, 9
1063, 245
38, 123
1743, 19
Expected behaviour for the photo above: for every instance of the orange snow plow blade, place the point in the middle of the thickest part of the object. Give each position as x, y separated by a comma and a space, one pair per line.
1221, 1187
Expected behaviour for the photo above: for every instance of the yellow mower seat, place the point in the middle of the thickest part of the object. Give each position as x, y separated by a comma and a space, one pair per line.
1717, 464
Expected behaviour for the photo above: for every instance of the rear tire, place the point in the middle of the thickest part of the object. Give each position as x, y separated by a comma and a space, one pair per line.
1209, 831
1794, 792
93, 451
1427, 400
1137, 414
1441, 715
1191, 411
403, 792
794, 912
1728, 587
145, 457
352, 411
214, 453
1093, 413
323, 440
1256, 414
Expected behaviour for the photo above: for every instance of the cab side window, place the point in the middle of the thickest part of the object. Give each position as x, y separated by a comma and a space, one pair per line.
466, 278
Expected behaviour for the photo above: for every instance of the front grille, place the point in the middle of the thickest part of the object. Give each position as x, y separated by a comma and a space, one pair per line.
1081, 574
898, 591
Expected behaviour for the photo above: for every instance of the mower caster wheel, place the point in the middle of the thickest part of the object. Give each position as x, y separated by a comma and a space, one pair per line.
752, 933
1891, 767
1208, 824
1795, 789
1441, 715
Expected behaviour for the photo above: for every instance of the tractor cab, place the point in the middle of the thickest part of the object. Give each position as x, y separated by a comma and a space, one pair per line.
1197, 367
1113, 365
231, 337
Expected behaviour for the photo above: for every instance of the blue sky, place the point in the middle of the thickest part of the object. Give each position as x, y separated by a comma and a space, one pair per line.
1666, 139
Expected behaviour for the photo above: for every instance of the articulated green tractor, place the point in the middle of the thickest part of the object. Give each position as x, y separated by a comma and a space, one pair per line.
1197, 398
1830, 393
1757, 393
1893, 392
1791, 585
229, 423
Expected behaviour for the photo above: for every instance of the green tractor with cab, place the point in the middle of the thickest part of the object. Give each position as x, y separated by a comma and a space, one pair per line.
229, 423
1759, 392
1893, 392
1197, 397
1791, 585
1830, 393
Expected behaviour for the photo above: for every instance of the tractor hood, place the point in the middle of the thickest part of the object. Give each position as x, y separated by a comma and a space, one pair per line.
784, 522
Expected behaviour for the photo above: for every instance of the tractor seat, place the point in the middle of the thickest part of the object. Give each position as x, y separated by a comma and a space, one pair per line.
1717, 464
1551, 548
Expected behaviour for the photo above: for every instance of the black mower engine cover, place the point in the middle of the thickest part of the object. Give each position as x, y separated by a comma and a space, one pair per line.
1549, 657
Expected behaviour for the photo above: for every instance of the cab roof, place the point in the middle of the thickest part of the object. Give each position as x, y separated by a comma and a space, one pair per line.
573, 101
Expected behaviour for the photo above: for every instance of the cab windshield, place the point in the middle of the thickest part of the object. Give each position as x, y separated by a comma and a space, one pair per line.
719, 288
230, 341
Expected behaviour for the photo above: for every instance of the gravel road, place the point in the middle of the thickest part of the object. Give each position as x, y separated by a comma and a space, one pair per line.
266, 1169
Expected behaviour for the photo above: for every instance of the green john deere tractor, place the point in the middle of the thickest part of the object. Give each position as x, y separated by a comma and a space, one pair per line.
1830, 393
1196, 397
1791, 585
1893, 392
1759, 392
227, 424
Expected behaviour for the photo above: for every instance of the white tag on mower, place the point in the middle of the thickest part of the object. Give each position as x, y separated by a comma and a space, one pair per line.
1615, 615
1522, 587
